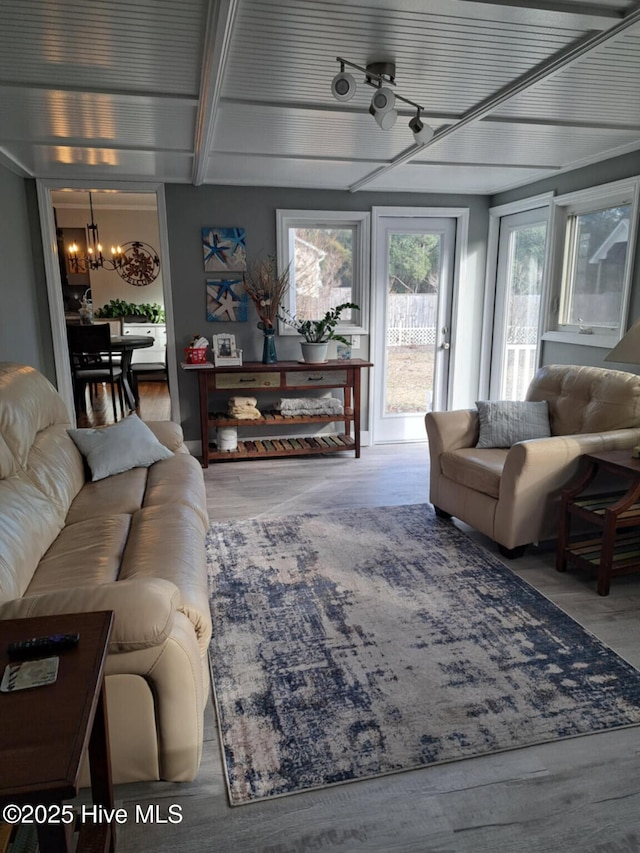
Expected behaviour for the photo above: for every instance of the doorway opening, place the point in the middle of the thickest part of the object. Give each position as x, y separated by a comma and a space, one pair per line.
134, 307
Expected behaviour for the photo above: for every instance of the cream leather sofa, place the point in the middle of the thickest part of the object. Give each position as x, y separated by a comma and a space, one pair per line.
132, 543
512, 494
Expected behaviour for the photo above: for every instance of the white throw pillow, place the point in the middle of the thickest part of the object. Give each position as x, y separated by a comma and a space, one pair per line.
114, 449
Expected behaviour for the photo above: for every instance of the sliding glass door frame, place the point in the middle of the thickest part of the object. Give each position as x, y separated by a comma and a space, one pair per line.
491, 309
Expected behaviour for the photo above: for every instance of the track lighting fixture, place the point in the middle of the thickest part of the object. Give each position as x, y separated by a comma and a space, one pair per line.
422, 132
380, 75
343, 86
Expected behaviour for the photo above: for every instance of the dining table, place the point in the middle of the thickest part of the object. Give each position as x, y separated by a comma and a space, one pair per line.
125, 345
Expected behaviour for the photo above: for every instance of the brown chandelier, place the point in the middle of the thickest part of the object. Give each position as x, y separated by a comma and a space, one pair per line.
135, 262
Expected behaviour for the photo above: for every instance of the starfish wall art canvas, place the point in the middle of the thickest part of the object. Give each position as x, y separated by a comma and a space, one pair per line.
224, 249
227, 301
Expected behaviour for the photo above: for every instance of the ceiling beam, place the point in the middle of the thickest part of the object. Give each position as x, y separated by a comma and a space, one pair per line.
216, 45
543, 72
562, 13
121, 94
14, 165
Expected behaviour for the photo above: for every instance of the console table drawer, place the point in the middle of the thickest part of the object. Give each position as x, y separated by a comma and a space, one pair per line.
247, 380
313, 378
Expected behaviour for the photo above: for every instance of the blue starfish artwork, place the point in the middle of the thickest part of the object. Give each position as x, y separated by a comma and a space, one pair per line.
224, 249
227, 301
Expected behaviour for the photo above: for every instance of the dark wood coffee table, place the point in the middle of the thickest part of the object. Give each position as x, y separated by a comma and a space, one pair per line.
45, 731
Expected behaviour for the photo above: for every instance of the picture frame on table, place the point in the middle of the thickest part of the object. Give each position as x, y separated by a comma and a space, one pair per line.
225, 353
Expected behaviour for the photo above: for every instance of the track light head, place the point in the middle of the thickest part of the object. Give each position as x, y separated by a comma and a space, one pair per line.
382, 101
385, 120
422, 132
343, 86
381, 108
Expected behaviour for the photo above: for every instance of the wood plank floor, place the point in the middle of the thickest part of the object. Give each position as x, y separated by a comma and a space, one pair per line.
576, 795
155, 405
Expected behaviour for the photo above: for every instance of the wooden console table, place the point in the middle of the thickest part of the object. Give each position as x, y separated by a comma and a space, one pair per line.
613, 549
255, 377
46, 730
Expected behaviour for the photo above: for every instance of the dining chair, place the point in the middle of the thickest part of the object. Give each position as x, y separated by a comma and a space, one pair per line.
115, 327
143, 368
92, 361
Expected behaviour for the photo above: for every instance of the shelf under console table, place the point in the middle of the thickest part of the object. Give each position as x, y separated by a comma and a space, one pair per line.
255, 377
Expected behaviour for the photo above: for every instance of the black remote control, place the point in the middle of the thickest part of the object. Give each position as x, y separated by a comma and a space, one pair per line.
37, 647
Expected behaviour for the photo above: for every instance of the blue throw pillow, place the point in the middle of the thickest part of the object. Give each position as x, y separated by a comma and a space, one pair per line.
114, 449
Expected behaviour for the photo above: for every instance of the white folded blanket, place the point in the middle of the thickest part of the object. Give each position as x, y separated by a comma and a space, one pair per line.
310, 406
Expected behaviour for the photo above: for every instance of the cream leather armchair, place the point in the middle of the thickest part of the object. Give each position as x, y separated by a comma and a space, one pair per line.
512, 494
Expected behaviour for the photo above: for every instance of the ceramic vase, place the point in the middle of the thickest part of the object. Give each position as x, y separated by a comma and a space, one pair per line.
269, 355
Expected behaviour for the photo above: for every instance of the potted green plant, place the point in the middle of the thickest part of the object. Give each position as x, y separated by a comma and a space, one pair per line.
317, 333
146, 312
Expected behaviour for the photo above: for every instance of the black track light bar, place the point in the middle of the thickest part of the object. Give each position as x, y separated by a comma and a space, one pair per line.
380, 78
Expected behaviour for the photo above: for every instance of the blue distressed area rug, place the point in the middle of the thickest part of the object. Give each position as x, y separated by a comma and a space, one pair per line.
354, 644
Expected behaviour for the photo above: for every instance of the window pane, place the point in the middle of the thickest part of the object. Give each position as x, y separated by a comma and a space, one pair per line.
524, 289
322, 270
414, 279
594, 278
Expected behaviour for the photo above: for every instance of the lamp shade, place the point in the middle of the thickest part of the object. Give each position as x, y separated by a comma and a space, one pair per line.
627, 350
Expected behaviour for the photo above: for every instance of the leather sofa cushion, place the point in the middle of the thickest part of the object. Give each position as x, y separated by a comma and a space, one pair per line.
87, 552
29, 523
169, 434
28, 404
8, 462
144, 609
55, 466
178, 480
476, 468
122, 493
168, 542
587, 399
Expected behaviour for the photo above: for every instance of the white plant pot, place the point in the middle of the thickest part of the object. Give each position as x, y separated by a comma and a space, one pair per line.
314, 353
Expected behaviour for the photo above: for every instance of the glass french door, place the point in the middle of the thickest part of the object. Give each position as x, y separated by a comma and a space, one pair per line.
413, 276
521, 256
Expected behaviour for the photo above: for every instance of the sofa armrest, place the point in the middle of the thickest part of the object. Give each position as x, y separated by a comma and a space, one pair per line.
144, 609
535, 472
534, 461
168, 433
451, 430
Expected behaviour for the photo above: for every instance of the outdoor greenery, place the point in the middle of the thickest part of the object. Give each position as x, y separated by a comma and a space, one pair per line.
318, 331
152, 312
528, 260
331, 249
414, 263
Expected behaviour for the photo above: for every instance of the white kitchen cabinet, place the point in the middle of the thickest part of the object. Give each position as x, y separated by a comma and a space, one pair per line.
149, 355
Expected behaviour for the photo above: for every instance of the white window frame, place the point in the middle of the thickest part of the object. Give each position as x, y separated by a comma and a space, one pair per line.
570, 204
360, 221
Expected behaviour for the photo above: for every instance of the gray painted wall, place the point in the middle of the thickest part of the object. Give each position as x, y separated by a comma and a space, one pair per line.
616, 169
189, 209
25, 329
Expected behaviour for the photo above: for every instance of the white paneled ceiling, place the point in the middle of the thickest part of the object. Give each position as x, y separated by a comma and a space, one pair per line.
238, 91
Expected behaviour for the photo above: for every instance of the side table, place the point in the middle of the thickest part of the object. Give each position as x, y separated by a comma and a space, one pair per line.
613, 549
45, 730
